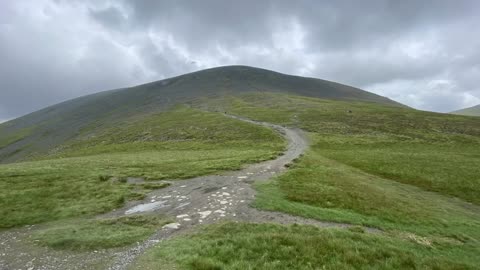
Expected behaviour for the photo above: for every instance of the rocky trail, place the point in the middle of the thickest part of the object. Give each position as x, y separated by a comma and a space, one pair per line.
201, 200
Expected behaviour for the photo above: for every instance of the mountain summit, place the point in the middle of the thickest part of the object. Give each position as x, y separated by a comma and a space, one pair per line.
49, 127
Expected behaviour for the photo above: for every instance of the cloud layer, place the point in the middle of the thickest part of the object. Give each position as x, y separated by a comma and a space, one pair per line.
422, 53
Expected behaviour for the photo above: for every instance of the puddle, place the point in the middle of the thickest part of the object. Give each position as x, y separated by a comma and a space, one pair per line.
146, 207
172, 226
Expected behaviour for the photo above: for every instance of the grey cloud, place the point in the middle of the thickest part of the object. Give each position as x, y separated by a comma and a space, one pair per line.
111, 17
52, 50
356, 24
164, 60
331, 24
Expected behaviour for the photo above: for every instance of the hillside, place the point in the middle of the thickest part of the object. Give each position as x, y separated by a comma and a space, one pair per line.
203, 172
45, 129
471, 111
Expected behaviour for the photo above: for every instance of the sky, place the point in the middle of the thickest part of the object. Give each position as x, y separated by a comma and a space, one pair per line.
425, 54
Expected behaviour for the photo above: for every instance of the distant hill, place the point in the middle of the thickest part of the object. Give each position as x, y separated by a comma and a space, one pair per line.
472, 111
52, 126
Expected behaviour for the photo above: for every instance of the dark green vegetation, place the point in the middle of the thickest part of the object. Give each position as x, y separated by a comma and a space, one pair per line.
58, 124
397, 169
98, 233
472, 111
264, 246
181, 128
15, 137
324, 189
435, 152
87, 176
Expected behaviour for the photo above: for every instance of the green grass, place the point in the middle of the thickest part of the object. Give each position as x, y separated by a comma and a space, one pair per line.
393, 168
413, 174
182, 128
436, 152
319, 188
268, 246
472, 111
447, 168
58, 123
77, 179
98, 233
12, 138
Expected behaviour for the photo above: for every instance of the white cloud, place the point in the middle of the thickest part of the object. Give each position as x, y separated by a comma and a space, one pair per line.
438, 94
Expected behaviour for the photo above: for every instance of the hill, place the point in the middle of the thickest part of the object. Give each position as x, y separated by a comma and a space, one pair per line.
45, 129
344, 181
472, 111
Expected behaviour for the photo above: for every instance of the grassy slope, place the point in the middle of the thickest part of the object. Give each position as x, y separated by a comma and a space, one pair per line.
17, 136
74, 179
426, 226
180, 129
408, 172
58, 124
413, 147
472, 111
268, 246
323, 189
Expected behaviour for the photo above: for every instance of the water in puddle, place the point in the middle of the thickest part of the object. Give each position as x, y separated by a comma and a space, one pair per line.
146, 207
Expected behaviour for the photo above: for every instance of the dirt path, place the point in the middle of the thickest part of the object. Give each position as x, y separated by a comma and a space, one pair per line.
192, 202
209, 199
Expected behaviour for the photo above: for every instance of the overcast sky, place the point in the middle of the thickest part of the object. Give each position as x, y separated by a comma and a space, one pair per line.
425, 54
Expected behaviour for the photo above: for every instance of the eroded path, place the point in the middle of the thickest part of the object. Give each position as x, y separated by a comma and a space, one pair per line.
200, 200
208, 199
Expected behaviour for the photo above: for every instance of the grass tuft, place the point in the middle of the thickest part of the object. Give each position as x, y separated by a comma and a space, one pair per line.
98, 233
267, 246
104, 178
